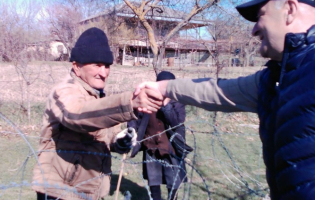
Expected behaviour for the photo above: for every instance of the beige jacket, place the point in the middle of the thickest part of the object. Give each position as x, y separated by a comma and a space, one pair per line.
74, 155
226, 95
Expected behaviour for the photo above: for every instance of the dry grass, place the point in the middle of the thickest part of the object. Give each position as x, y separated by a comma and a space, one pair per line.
43, 75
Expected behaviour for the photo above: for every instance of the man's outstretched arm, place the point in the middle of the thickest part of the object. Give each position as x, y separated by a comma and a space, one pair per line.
227, 95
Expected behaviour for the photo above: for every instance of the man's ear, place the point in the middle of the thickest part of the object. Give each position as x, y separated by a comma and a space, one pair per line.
76, 68
291, 9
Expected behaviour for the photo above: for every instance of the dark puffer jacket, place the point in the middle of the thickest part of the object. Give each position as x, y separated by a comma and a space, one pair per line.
286, 110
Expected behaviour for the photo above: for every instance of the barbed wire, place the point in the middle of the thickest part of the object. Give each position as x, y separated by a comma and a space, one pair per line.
229, 169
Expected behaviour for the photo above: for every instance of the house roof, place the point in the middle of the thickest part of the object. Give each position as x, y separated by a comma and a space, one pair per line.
167, 14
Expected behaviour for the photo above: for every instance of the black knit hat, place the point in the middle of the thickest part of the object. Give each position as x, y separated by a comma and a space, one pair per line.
165, 75
92, 47
250, 9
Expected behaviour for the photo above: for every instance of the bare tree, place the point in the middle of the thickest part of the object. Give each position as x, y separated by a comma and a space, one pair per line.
144, 7
118, 29
232, 39
63, 20
22, 41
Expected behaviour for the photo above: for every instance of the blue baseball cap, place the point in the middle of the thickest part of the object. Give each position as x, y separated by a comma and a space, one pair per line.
250, 9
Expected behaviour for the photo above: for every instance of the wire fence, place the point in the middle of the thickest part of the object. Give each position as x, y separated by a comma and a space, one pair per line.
215, 169
226, 162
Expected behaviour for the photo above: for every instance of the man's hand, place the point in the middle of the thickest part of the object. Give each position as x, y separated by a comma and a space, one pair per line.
147, 100
166, 101
125, 140
159, 87
157, 91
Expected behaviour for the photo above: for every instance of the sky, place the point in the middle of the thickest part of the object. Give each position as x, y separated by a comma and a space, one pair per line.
38, 7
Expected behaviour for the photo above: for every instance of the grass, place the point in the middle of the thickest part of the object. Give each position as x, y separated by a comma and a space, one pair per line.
226, 163
16, 167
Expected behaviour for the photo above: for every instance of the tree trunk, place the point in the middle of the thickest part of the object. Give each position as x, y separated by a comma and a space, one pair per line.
116, 54
160, 58
28, 102
155, 64
247, 61
149, 57
141, 12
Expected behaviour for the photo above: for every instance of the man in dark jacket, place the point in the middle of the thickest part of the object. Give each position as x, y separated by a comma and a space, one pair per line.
162, 158
283, 94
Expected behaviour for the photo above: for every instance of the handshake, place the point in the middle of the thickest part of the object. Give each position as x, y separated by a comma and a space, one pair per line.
124, 141
148, 96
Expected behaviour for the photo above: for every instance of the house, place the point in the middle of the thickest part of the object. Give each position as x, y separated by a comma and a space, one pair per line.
53, 50
58, 51
129, 43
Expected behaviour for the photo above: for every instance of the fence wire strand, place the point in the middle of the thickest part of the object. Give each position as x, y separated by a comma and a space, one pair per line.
229, 169
218, 167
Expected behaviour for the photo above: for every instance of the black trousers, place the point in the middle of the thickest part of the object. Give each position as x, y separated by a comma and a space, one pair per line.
156, 193
41, 196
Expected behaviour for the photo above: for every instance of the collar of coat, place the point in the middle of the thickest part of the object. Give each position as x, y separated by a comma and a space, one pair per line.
296, 46
86, 86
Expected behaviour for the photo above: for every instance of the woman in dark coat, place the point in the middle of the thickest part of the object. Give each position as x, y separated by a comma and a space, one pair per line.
163, 157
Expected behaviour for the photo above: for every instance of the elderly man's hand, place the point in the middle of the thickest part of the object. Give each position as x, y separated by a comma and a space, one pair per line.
124, 141
155, 91
147, 100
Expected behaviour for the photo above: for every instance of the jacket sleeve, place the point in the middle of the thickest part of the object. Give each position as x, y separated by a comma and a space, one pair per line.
174, 113
181, 116
82, 113
227, 95
140, 126
135, 123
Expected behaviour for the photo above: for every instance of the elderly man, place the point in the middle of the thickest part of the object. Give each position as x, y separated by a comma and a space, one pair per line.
74, 160
283, 94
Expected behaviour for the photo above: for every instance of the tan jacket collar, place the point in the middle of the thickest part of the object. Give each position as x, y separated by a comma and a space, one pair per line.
86, 86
